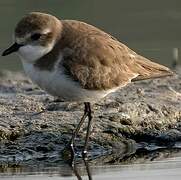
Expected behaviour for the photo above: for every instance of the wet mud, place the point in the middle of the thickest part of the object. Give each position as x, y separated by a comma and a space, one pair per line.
35, 127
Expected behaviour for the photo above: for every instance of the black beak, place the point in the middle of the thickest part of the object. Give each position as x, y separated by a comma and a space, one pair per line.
11, 49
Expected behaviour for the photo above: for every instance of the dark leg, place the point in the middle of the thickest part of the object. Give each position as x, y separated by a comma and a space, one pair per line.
88, 128
80, 124
72, 141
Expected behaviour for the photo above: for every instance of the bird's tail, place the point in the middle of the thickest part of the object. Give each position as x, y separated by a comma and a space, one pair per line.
148, 69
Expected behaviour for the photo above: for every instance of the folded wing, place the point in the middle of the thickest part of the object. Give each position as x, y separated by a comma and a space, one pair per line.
99, 61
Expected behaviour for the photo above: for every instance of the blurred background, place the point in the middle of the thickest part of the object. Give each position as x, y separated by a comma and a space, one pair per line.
151, 28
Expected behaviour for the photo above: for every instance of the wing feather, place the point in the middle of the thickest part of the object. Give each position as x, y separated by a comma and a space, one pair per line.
99, 61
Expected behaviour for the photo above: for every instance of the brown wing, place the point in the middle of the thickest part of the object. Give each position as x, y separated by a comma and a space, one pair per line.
97, 60
148, 69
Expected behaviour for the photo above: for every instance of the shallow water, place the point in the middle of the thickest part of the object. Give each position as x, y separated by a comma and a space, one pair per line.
167, 169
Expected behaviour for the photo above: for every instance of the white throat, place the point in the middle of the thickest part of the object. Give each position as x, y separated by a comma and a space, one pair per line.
31, 53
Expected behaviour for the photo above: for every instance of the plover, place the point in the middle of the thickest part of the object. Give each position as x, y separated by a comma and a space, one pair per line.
77, 61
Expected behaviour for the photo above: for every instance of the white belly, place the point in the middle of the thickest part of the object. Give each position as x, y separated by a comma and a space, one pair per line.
58, 84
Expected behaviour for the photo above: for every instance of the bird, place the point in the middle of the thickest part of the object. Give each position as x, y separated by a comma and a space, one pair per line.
77, 62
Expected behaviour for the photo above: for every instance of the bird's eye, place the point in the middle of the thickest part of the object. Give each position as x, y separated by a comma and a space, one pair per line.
35, 36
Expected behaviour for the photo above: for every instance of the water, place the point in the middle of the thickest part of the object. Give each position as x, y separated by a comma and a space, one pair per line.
168, 169
151, 28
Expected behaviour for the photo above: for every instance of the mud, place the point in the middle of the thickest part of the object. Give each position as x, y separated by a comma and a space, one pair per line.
35, 127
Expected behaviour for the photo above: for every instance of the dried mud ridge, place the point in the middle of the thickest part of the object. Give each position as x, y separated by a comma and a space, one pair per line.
143, 115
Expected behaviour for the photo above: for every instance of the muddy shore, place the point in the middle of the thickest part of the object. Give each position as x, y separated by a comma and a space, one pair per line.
35, 127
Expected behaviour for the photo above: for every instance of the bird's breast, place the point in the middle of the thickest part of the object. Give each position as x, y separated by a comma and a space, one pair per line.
58, 84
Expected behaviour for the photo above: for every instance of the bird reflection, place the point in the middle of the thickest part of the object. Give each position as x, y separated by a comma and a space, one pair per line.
75, 168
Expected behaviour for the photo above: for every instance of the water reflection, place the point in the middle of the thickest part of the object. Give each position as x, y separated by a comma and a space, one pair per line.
77, 173
141, 163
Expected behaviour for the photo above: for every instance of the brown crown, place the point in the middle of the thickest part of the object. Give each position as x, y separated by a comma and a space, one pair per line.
36, 21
